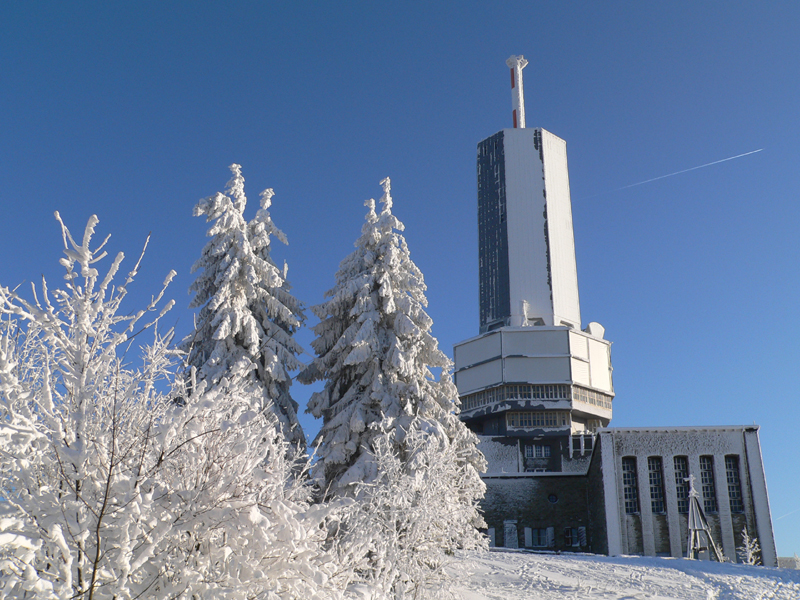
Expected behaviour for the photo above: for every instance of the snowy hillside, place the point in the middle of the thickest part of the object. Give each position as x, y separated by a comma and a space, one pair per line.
508, 575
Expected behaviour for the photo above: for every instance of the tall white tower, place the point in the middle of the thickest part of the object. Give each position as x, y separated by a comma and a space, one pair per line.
526, 246
531, 373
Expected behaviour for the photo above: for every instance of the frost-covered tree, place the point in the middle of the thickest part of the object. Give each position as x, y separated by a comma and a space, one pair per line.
750, 551
375, 353
110, 489
248, 315
411, 518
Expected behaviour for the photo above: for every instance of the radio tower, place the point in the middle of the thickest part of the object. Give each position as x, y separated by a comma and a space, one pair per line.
516, 64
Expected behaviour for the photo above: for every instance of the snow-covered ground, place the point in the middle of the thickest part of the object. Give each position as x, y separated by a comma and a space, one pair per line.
509, 575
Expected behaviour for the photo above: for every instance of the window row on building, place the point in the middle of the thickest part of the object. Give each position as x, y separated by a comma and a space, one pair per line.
537, 451
541, 418
582, 443
516, 392
574, 537
494, 290
540, 537
707, 491
582, 394
707, 484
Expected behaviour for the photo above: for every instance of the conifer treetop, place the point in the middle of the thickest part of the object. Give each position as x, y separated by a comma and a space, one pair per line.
248, 315
375, 353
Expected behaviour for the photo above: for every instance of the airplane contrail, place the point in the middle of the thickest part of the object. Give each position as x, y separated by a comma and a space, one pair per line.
716, 162
787, 514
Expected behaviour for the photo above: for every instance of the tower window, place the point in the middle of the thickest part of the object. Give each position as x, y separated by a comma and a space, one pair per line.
707, 482
537, 451
629, 485
517, 392
681, 464
656, 477
553, 418
588, 396
734, 483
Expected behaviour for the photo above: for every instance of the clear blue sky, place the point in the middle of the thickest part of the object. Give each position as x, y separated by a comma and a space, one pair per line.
134, 110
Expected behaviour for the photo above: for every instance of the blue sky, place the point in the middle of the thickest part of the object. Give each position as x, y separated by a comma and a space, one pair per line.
134, 111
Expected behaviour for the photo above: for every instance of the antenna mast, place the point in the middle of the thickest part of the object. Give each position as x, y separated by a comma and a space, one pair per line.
516, 64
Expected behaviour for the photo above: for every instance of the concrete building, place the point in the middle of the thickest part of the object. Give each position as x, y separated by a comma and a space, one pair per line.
538, 389
644, 500
531, 375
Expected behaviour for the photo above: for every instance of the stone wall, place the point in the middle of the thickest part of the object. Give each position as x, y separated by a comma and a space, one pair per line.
598, 537
538, 502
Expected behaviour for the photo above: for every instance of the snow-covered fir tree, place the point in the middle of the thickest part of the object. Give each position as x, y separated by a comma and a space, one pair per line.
110, 489
391, 436
248, 315
375, 353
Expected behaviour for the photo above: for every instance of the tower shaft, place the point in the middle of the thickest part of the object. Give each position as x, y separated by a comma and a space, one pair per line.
527, 269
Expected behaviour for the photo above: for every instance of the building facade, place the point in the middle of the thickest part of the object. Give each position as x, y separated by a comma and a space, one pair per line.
645, 489
538, 389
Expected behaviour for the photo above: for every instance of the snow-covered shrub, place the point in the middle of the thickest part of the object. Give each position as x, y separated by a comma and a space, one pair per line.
248, 315
750, 551
375, 353
112, 489
410, 519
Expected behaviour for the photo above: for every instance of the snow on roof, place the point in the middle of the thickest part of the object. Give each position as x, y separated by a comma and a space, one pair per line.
753, 427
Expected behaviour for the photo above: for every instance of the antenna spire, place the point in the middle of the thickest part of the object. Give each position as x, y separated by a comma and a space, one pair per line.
516, 64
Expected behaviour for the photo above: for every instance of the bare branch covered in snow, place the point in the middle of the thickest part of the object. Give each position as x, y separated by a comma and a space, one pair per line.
750, 551
111, 489
410, 520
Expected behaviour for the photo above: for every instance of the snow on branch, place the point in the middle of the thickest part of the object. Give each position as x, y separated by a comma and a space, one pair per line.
124, 483
248, 316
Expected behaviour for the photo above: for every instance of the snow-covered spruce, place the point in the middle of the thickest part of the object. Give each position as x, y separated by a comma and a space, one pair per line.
112, 490
375, 353
247, 314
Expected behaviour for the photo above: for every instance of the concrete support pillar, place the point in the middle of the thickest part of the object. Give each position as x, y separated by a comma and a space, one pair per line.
673, 516
645, 506
755, 465
724, 507
613, 508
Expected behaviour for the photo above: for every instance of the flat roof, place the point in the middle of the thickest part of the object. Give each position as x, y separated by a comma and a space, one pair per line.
753, 427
